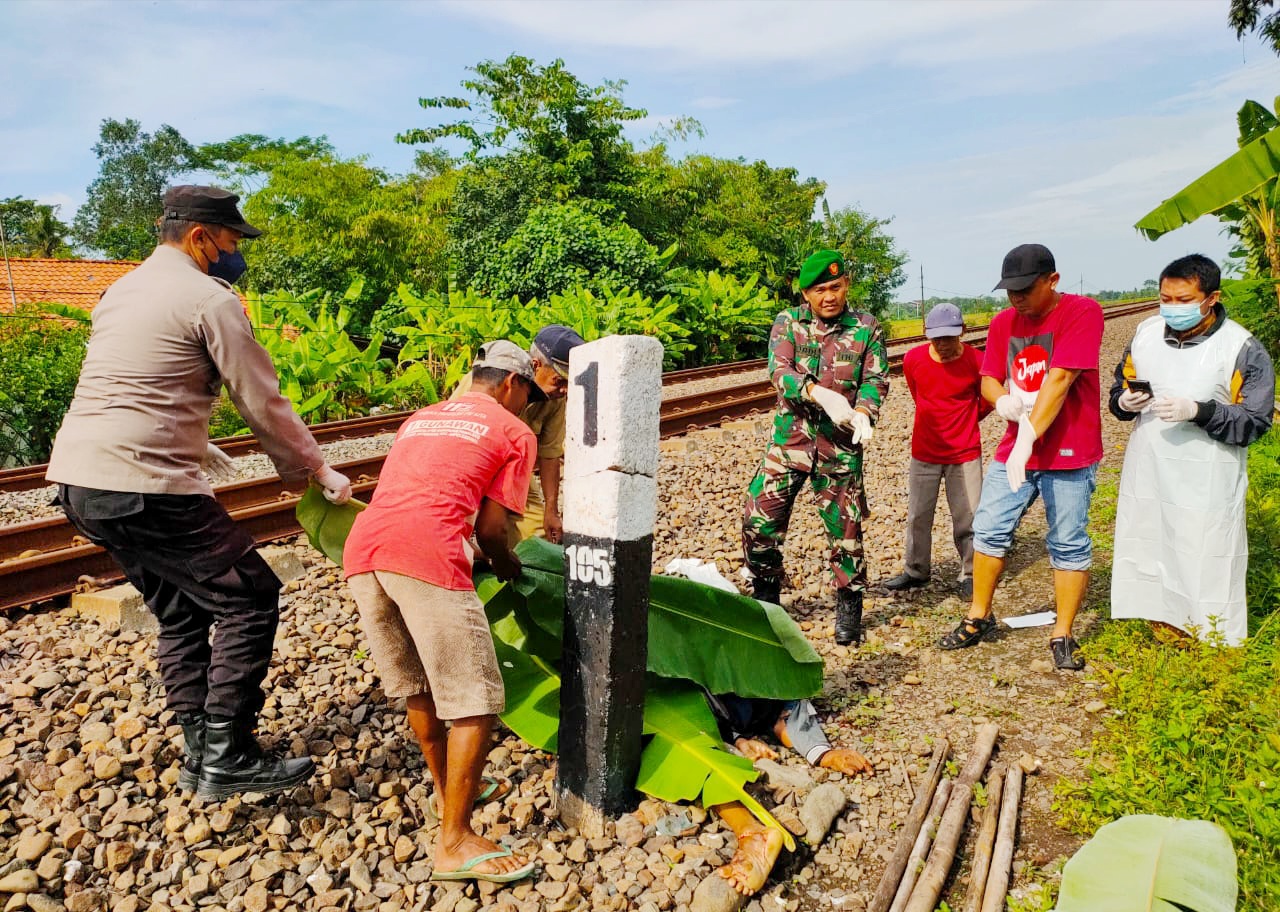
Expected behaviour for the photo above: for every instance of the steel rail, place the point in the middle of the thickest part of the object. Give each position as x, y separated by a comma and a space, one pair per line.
25, 478
45, 558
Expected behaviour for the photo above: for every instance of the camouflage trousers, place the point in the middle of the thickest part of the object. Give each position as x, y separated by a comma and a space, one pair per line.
841, 504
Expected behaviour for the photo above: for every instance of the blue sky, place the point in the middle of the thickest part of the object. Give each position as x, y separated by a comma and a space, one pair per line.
975, 125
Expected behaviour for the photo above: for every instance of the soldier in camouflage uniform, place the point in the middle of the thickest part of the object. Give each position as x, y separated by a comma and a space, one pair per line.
828, 364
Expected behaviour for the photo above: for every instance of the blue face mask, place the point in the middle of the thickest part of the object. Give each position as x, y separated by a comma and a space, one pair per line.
228, 266
1180, 317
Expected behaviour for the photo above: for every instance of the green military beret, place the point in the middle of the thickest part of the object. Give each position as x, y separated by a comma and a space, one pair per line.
823, 266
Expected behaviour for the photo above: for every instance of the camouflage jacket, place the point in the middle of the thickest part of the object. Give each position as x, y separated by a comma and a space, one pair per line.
848, 355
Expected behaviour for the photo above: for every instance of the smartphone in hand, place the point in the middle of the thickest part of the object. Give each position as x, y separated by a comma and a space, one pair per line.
1140, 386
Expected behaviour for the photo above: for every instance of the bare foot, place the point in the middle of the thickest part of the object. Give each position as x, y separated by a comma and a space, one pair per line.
453, 857
849, 762
755, 750
749, 868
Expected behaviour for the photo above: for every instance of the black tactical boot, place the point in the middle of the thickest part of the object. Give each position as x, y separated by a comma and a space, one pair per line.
192, 748
767, 588
848, 617
233, 763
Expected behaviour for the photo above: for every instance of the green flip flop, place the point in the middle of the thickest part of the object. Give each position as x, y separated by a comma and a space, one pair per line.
467, 870
491, 787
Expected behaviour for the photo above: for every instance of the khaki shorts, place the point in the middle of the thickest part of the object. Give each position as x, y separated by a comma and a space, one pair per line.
425, 639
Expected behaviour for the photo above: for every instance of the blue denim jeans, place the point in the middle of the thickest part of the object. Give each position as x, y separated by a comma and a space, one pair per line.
1066, 494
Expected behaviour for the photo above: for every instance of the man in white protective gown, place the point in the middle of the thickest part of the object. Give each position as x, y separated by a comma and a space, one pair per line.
1200, 389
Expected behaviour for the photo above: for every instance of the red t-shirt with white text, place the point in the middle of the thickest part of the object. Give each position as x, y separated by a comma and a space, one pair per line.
1023, 351
445, 459
949, 405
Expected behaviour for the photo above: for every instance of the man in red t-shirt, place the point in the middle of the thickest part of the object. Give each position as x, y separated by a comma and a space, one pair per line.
455, 467
945, 381
1045, 346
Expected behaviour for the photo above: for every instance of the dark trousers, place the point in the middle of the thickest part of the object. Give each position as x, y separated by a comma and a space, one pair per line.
196, 570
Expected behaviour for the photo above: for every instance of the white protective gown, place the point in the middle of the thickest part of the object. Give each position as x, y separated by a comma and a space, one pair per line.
1180, 546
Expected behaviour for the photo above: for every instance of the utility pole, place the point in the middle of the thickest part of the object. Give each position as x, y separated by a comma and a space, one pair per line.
4, 247
920, 309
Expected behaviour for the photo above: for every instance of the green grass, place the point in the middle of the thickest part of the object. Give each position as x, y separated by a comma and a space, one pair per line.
1195, 732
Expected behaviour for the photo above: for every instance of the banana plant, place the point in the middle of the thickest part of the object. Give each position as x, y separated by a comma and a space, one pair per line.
701, 640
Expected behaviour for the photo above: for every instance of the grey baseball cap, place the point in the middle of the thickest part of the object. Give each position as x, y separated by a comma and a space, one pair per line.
506, 355
943, 319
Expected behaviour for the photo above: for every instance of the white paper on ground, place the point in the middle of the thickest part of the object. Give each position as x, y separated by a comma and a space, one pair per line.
1039, 619
694, 569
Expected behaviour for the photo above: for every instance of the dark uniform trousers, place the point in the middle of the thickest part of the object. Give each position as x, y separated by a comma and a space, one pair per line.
196, 570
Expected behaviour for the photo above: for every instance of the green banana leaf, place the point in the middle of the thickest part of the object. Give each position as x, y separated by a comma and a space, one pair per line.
1248, 169
726, 642
1145, 863
685, 756
327, 525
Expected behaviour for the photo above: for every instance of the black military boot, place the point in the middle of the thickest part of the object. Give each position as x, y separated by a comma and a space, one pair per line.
233, 762
767, 588
848, 617
192, 748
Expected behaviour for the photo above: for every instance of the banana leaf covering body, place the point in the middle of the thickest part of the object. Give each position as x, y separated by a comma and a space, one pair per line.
699, 637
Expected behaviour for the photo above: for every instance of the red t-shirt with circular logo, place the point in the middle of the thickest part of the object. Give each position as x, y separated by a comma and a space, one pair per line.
1021, 352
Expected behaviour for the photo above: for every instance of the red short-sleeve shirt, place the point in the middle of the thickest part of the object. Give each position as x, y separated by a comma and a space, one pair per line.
445, 459
1023, 351
949, 405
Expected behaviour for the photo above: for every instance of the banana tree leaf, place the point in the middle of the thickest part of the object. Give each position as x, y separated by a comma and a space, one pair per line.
1232, 178
728, 643
685, 756
507, 611
533, 696
1145, 863
327, 525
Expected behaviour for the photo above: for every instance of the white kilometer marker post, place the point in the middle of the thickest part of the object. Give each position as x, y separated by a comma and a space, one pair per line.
610, 502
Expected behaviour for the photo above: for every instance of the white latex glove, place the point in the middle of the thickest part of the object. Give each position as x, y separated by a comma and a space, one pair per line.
1010, 407
1175, 408
834, 404
1133, 401
217, 465
337, 487
861, 429
1016, 466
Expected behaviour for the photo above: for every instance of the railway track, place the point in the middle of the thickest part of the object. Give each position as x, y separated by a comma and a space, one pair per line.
46, 558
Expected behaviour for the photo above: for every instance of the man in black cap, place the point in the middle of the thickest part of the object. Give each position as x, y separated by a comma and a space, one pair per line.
128, 460
1045, 346
550, 356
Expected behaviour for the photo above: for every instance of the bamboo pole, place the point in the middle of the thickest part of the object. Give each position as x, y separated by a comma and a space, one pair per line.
920, 849
1002, 858
986, 842
892, 876
924, 898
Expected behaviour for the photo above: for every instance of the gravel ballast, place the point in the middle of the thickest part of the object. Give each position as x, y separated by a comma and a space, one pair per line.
90, 818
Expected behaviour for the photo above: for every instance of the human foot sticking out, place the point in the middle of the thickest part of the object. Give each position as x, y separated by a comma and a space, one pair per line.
837, 759
757, 851
755, 749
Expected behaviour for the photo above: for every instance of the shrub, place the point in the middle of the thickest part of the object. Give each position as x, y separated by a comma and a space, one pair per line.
39, 364
1196, 730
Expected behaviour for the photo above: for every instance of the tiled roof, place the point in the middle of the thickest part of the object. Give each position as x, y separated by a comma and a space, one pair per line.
78, 283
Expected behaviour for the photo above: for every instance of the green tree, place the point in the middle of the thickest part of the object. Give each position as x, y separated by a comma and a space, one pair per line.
329, 222
39, 366
245, 162
563, 246
1246, 16
123, 203
1243, 190
33, 229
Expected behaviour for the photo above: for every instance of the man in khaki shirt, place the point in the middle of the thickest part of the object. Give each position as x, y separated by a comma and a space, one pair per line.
550, 356
128, 460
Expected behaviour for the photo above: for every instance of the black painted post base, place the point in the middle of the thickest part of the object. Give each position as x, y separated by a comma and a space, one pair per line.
602, 677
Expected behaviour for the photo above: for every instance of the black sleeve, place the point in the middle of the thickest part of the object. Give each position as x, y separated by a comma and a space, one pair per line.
1253, 389
1124, 371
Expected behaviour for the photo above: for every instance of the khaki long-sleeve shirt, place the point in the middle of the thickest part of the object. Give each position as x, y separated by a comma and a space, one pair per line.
165, 338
